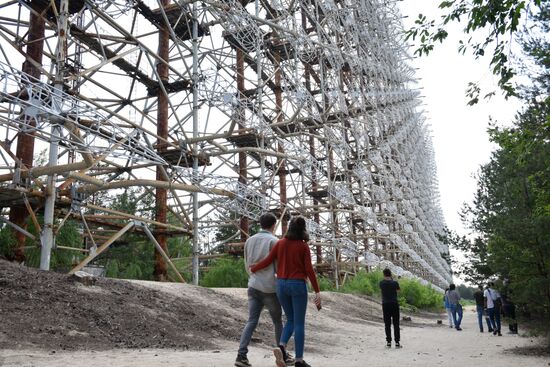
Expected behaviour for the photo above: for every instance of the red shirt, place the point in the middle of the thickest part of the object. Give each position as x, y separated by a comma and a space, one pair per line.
293, 261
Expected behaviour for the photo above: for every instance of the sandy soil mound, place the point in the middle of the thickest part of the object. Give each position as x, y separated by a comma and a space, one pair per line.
49, 310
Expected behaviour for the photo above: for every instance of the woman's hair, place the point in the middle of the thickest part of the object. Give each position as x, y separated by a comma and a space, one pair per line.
452, 286
297, 229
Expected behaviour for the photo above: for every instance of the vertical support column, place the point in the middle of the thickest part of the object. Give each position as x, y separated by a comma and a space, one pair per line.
47, 237
25, 142
161, 197
281, 165
243, 171
195, 148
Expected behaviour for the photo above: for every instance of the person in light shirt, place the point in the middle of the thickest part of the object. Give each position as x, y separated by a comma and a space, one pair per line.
293, 267
492, 304
261, 288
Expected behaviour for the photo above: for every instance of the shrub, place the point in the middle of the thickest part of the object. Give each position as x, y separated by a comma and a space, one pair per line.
363, 283
413, 294
226, 273
418, 295
325, 284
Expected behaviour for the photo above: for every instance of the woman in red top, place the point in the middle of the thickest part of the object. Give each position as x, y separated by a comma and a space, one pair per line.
293, 267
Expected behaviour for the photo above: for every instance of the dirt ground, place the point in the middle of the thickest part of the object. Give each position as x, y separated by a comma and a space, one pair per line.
48, 320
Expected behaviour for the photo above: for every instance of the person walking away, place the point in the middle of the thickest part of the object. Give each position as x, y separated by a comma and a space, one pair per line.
293, 267
448, 308
390, 307
261, 286
480, 309
456, 307
492, 304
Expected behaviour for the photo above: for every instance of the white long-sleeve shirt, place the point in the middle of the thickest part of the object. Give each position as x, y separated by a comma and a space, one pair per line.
256, 248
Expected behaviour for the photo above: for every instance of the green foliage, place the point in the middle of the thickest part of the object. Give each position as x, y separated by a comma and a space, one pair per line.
325, 284
413, 294
67, 235
226, 272
7, 243
491, 27
418, 295
363, 283
465, 291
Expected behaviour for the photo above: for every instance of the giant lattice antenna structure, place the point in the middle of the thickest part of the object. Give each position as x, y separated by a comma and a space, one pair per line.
219, 108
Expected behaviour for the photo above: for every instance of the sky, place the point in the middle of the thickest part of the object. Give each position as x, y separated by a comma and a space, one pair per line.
459, 131
459, 135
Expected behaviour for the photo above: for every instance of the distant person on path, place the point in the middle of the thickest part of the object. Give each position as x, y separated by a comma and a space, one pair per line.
261, 286
293, 267
480, 308
456, 308
493, 305
448, 308
390, 307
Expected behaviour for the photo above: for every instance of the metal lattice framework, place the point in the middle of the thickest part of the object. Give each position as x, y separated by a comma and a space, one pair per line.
217, 107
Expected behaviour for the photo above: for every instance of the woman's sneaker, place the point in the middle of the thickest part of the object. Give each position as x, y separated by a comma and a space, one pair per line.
302, 364
398, 346
388, 345
242, 361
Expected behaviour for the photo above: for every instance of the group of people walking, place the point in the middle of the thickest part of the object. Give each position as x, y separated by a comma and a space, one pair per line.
278, 270
489, 305
290, 259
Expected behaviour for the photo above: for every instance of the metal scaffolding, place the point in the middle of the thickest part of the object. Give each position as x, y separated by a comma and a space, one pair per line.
220, 108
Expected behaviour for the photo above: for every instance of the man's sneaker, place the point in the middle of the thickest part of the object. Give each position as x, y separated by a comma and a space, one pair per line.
279, 357
398, 346
289, 359
242, 361
388, 344
302, 364
490, 330
499, 334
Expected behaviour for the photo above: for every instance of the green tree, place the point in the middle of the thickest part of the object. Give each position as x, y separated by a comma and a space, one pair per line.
491, 26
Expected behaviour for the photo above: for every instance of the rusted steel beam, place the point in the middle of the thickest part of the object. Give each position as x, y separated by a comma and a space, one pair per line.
280, 161
25, 142
161, 196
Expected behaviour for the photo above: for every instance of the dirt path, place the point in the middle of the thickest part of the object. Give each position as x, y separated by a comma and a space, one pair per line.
346, 333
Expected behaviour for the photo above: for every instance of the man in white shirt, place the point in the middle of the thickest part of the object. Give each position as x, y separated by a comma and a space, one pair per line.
492, 304
261, 286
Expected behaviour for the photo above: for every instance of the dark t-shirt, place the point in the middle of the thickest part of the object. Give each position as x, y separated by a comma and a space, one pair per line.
478, 296
389, 290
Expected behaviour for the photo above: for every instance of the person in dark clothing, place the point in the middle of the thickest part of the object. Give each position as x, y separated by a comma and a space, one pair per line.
390, 307
509, 313
480, 308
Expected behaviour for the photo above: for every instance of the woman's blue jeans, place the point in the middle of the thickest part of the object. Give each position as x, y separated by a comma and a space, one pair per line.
292, 294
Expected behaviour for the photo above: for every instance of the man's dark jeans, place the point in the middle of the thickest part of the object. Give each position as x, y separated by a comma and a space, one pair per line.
391, 315
480, 314
494, 316
256, 302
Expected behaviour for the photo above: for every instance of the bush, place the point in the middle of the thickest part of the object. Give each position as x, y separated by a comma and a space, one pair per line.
413, 294
226, 273
363, 283
418, 295
325, 284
